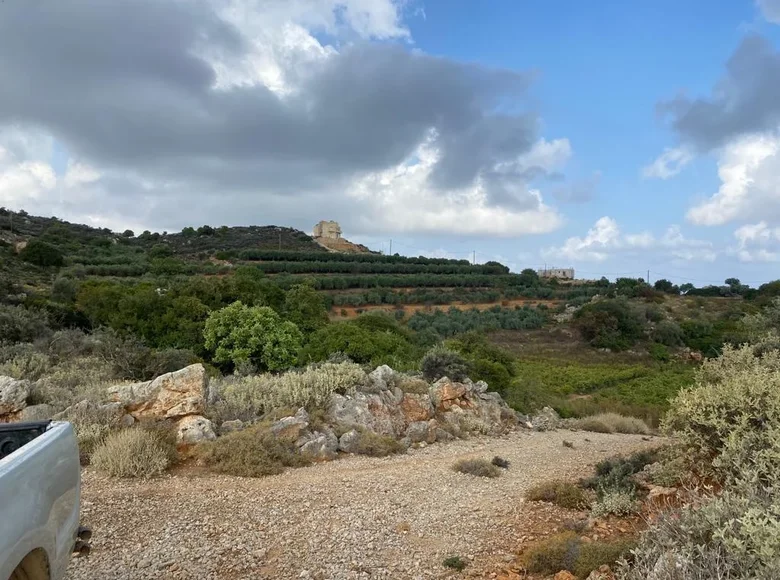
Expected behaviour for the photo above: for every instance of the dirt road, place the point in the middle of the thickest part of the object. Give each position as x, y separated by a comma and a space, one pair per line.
395, 517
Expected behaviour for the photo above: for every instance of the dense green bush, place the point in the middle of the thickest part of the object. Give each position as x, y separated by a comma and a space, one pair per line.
668, 332
19, 324
239, 333
42, 254
440, 362
613, 324
454, 321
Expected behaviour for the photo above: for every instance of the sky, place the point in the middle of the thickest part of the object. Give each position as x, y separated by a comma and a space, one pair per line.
617, 138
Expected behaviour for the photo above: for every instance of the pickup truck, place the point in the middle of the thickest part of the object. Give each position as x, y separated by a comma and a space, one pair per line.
40, 486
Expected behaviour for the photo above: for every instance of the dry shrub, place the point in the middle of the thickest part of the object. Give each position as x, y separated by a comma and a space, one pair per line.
619, 502
375, 445
414, 386
567, 551
478, 467
561, 493
132, 453
611, 423
252, 452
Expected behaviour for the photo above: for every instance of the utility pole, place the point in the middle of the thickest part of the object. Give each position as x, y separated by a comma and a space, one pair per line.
648, 277
390, 253
280, 238
474, 259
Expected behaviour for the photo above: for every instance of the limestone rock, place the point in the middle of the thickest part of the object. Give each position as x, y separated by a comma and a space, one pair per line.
382, 378
603, 573
564, 575
171, 395
348, 441
445, 394
419, 431
36, 413
13, 395
375, 412
194, 429
546, 420
230, 426
127, 420
291, 428
481, 387
320, 445
92, 411
416, 407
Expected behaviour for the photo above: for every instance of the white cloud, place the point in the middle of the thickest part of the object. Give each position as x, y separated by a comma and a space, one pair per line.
758, 243
669, 163
605, 240
749, 170
770, 9
401, 199
546, 155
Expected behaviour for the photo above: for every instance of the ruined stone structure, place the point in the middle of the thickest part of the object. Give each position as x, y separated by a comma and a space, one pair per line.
560, 273
327, 229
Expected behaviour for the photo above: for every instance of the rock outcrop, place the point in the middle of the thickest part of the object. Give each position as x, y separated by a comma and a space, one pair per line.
171, 395
13, 397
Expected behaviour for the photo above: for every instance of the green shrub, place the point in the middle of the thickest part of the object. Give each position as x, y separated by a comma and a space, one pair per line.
567, 551
561, 493
455, 562
132, 453
659, 352
439, 362
733, 536
615, 474
619, 502
414, 386
375, 445
613, 324
42, 254
611, 423
668, 333
729, 423
362, 342
19, 324
252, 452
478, 467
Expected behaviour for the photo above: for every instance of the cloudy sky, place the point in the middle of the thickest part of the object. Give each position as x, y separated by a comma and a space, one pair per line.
615, 137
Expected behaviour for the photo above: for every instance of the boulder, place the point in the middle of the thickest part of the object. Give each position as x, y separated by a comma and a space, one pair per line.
603, 573
416, 407
13, 395
480, 387
36, 413
445, 394
564, 575
90, 411
546, 420
348, 441
194, 429
420, 431
291, 428
379, 413
127, 420
320, 446
230, 426
171, 395
382, 378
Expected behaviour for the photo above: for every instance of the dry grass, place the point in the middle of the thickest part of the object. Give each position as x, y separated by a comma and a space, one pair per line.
370, 443
253, 452
478, 467
567, 551
132, 453
561, 493
414, 386
611, 423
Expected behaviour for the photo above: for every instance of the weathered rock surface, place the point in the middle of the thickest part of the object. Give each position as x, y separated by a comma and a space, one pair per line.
13, 395
194, 429
291, 428
90, 411
36, 413
321, 446
171, 395
348, 441
546, 420
230, 426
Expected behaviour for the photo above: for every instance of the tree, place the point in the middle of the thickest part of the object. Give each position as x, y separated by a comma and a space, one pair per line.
664, 285
687, 287
256, 334
304, 306
187, 232
529, 277
128, 234
42, 254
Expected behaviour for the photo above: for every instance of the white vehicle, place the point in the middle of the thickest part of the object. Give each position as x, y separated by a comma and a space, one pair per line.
40, 485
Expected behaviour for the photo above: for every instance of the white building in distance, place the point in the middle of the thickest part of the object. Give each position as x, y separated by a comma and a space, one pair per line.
327, 229
559, 273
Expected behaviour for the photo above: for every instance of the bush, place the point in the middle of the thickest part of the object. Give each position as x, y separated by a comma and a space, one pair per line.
618, 502
132, 453
19, 324
252, 452
455, 562
375, 445
611, 423
42, 254
567, 551
615, 474
729, 423
478, 467
439, 362
733, 536
613, 324
561, 493
414, 386
668, 333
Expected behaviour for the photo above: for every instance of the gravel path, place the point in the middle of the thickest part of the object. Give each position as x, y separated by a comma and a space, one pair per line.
394, 517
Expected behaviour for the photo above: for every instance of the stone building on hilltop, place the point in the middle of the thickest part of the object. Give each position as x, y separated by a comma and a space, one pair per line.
559, 273
327, 229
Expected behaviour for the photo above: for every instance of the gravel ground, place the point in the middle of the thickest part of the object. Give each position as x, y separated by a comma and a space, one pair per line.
394, 517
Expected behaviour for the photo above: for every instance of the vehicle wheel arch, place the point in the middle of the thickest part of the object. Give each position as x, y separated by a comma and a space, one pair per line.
34, 566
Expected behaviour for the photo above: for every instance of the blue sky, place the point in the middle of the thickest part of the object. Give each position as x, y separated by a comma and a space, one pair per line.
525, 131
